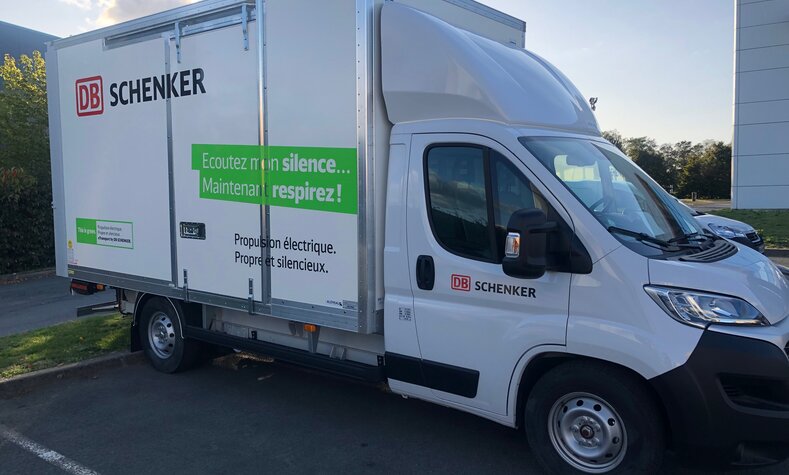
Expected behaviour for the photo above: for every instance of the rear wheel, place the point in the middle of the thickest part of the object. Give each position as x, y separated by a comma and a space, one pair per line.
585, 417
161, 337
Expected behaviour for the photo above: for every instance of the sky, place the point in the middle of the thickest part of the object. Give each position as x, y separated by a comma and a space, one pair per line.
660, 68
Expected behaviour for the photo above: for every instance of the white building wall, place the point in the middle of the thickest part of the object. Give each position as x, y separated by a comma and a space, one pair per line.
760, 166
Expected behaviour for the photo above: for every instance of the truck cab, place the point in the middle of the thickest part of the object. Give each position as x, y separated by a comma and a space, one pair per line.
529, 242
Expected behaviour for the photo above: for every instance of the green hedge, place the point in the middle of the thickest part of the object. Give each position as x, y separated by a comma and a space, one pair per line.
26, 235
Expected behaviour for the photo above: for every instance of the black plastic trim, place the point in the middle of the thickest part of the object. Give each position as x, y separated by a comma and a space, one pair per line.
709, 420
351, 369
439, 376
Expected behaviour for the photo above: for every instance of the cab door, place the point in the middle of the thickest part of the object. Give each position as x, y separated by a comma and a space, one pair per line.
473, 321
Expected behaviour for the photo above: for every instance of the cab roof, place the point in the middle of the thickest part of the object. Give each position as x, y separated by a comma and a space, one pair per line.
433, 70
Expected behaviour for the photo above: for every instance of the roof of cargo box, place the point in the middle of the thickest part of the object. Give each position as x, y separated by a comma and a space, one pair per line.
433, 70
189, 17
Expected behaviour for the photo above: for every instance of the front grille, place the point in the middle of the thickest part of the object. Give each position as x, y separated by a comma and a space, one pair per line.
732, 391
721, 250
753, 237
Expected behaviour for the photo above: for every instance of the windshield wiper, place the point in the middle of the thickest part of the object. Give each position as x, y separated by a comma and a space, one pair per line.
643, 237
670, 245
688, 236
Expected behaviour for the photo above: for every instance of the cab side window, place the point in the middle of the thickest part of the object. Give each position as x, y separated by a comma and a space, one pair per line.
511, 192
471, 192
457, 192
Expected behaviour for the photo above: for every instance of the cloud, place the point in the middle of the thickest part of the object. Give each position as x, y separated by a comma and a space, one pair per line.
109, 12
81, 4
116, 11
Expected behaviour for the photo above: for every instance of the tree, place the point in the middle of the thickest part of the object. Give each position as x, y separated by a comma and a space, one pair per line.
704, 168
644, 151
615, 138
24, 129
708, 174
26, 236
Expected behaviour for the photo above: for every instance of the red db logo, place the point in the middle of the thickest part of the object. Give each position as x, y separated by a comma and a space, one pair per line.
461, 282
90, 93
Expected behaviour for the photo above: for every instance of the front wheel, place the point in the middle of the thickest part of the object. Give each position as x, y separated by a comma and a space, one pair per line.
162, 337
585, 417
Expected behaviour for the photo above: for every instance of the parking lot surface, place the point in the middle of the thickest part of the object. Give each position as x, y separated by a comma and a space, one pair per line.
39, 303
261, 418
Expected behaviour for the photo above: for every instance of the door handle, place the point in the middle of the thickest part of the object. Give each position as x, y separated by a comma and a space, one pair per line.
425, 272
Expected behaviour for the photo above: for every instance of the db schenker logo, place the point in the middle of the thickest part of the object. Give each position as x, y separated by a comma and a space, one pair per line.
461, 282
90, 94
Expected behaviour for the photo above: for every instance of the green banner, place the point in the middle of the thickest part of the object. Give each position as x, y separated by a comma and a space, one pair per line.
317, 178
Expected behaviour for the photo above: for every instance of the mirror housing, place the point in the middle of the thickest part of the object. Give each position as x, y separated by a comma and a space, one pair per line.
527, 244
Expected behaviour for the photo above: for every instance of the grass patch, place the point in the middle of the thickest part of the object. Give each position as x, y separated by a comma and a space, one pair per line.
773, 225
61, 344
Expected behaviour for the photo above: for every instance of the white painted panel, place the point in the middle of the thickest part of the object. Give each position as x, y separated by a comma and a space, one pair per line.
334, 285
311, 66
763, 197
227, 114
762, 112
763, 139
311, 102
760, 13
763, 170
764, 58
763, 85
469, 20
115, 160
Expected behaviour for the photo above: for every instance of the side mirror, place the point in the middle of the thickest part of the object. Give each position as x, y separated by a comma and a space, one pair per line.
527, 244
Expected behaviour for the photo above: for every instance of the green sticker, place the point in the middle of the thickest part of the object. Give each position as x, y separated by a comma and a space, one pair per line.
86, 231
318, 178
103, 232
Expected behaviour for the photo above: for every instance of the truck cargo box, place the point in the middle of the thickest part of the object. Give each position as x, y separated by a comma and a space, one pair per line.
220, 156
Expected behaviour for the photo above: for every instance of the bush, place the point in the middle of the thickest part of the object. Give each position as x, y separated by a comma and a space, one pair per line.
26, 230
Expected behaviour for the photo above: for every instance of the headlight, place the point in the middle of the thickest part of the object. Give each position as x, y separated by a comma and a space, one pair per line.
700, 309
726, 232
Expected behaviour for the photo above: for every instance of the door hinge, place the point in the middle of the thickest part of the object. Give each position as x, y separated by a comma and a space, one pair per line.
244, 31
178, 42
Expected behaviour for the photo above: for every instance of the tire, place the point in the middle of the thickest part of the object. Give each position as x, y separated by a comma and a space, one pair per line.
588, 417
161, 337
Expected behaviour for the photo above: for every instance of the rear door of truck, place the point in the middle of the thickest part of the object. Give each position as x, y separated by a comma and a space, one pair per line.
217, 163
157, 170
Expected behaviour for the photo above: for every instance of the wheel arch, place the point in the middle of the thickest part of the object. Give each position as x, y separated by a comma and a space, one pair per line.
541, 363
140, 302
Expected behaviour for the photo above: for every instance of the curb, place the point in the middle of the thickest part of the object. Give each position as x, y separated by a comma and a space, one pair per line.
776, 252
20, 276
26, 383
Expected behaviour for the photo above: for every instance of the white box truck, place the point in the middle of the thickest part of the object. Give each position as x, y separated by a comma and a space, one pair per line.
398, 191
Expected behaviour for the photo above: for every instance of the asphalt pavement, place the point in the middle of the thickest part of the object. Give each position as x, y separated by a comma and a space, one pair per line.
41, 302
262, 418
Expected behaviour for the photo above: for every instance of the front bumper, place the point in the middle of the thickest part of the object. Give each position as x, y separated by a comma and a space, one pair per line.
729, 404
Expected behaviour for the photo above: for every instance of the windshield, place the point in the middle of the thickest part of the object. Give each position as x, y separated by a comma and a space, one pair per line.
620, 195
692, 211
